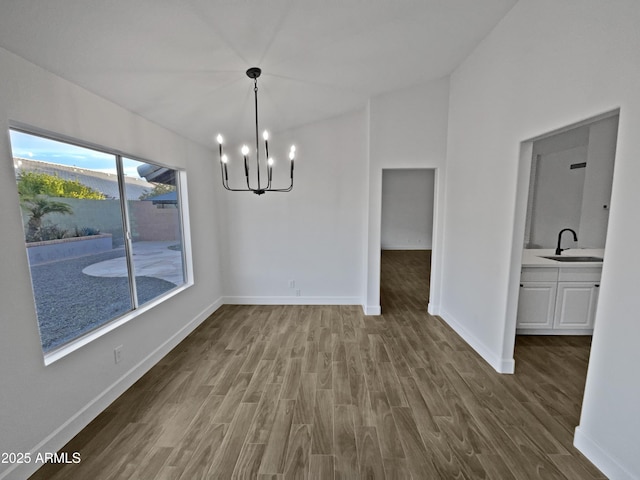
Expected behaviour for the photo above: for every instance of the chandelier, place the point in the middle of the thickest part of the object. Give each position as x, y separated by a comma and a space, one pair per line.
254, 184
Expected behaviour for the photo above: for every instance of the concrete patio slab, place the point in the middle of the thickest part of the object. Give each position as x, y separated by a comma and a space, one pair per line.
150, 259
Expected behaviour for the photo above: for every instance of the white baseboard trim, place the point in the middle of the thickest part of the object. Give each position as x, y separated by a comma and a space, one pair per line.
291, 300
553, 331
601, 459
433, 309
404, 247
372, 309
501, 365
59, 437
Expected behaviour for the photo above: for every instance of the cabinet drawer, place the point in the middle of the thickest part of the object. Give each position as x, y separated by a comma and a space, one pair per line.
539, 274
580, 274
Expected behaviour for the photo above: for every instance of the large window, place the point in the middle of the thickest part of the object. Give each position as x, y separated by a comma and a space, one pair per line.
103, 234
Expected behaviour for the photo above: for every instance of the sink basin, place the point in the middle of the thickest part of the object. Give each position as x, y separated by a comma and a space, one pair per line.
569, 258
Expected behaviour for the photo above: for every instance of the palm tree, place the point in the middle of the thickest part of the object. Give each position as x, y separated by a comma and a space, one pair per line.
38, 206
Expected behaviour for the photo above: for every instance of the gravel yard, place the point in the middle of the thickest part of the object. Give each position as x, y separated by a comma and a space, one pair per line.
70, 303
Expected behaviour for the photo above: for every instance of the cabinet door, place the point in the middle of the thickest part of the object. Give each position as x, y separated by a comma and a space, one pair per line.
576, 305
536, 304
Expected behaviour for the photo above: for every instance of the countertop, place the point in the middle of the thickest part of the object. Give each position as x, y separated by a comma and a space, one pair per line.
531, 258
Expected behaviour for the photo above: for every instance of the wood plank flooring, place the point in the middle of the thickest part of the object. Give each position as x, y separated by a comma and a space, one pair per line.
323, 392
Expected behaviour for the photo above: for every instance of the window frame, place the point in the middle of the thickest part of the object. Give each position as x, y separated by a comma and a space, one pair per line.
185, 238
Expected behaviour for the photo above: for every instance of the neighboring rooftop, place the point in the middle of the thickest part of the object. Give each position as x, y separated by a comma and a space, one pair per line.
105, 183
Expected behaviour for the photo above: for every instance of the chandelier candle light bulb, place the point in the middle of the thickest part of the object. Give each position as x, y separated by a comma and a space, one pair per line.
223, 158
270, 164
224, 161
220, 142
254, 73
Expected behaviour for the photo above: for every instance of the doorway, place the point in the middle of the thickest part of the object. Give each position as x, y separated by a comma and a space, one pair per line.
565, 182
406, 238
569, 191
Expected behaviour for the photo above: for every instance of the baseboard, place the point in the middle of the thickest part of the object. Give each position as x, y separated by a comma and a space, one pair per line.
433, 309
404, 247
501, 365
291, 300
601, 459
371, 309
59, 437
554, 331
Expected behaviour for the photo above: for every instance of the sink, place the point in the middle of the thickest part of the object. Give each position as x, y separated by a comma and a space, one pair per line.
570, 258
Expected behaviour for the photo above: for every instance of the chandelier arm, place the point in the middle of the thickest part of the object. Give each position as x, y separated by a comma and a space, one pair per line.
225, 176
225, 185
246, 172
222, 171
269, 168
280, 189
240, 189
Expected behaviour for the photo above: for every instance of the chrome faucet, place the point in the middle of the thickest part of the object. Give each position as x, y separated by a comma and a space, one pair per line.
575, 239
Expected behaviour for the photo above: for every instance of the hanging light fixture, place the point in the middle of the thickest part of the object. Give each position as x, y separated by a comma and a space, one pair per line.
260, 188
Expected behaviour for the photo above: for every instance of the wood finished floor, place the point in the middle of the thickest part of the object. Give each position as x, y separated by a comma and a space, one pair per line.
322, 392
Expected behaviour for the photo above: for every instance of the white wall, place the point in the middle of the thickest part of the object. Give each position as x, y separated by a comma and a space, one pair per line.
546, 65
315, 234
407, 209
560, 197
597, 183
557, 142
557, 201
407, 129
312, 235
42, 407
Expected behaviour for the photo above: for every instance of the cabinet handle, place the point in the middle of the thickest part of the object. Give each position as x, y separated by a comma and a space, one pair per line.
597, 285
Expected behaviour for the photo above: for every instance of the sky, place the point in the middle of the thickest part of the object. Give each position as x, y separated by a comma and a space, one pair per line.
33, 147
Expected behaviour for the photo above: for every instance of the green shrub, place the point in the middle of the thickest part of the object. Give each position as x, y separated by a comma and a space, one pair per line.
37, 183
37, 207
86, 232
52, 232
158, 189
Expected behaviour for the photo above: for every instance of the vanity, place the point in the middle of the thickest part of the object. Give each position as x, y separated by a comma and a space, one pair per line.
559, 296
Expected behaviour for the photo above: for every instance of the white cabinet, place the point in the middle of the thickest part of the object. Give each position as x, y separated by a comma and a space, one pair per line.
536, 305
575, 305
558, 300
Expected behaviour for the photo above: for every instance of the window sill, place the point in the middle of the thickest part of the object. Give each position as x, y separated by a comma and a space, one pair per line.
80, 342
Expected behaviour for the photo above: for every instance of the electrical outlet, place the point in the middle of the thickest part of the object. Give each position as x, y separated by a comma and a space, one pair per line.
298, 293
292, 284
117, 354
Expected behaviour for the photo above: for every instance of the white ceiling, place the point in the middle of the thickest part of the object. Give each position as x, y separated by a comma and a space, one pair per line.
181, 63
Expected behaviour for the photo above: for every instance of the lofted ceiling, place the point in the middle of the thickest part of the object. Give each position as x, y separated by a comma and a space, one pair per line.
182, 63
